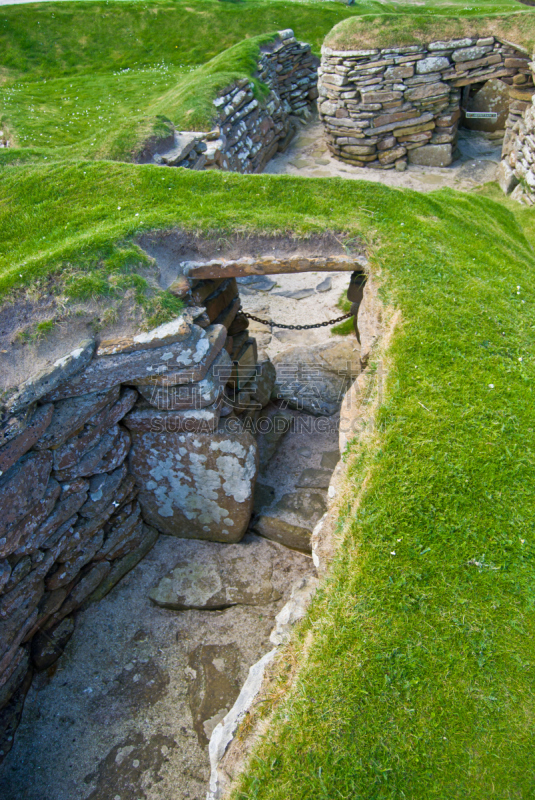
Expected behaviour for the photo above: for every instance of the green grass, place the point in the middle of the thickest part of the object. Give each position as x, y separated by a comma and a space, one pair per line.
416, 660
390, 30
114, 69
418, 679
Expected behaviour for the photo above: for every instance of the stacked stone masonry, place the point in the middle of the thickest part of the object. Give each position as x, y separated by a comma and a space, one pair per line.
382, 108
516, 172
248, 132
116, 442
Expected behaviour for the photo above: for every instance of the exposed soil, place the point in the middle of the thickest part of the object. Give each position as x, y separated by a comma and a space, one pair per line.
170, 248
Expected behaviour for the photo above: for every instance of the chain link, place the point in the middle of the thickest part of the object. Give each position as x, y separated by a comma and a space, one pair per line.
271, 324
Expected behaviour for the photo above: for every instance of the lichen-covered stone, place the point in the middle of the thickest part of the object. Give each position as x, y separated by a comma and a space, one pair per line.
192, 365
191, 395
103, 489
196, 486
217, 580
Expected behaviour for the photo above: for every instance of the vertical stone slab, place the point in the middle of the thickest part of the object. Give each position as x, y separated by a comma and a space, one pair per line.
196, 485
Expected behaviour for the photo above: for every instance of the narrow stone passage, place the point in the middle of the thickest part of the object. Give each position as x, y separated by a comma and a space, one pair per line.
128, 710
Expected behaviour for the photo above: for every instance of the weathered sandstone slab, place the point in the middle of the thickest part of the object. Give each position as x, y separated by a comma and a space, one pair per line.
196, 486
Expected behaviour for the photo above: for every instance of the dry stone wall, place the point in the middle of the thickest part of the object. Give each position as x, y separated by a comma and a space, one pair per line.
516, 173
248, 132
119, 440
382, 108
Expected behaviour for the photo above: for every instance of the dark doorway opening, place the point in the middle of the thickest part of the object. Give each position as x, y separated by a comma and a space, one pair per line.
484, 112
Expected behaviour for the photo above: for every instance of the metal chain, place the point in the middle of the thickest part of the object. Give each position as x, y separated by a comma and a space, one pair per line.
271, 324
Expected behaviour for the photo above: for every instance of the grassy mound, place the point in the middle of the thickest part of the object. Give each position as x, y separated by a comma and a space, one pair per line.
416, 679
390, 30
114, 69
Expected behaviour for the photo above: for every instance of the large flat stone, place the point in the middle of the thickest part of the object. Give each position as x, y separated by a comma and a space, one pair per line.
427, 90
107, 371
202, 420
196, 485
195, 365
177, 330
267, 265
432, 155
191, 395
48, 379
217, 580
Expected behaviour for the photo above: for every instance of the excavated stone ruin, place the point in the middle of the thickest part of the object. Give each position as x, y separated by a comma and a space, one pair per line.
165, 447
384, 108
247, 133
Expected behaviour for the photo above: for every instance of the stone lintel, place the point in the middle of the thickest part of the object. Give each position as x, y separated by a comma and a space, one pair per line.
242, 267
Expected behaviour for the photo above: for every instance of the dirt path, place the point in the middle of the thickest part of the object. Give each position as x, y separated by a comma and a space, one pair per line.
308, 156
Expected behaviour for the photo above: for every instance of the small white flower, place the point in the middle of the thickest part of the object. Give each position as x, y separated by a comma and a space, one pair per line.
518, 287
392, 552
137, 215
398, 540
491, 386
522, 541
520, 358
118, 208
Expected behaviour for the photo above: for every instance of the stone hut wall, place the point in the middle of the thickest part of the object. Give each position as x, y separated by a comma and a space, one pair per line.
381, 108
248, 133
119, 440
516, 172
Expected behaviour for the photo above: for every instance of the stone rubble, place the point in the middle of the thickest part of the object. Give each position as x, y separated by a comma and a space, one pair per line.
384, 108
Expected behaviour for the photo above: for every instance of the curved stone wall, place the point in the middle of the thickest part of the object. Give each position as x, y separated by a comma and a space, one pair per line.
382, 108
516, 172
